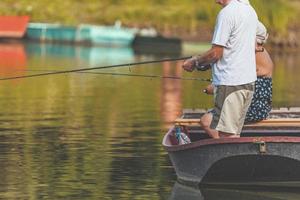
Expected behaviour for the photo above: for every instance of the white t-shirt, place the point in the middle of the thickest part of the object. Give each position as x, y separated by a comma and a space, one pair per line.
244, 1
235, 30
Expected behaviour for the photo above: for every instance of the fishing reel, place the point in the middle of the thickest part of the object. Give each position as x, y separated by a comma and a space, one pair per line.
202, 67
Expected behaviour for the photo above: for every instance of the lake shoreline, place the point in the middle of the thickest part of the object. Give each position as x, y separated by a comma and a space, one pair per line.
289, 40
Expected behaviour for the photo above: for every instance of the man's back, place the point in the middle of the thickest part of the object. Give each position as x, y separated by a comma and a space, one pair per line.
235, 30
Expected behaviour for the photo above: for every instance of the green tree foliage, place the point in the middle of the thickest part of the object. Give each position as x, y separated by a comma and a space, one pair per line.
188, 15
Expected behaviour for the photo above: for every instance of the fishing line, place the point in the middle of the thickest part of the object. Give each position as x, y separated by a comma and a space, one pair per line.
139, 75
93, 68
151, 76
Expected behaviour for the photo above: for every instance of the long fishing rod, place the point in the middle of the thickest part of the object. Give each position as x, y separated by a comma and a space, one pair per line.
151, 76
140, 75
93, 68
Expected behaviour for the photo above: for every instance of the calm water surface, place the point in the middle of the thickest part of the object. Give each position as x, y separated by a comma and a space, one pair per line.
91, 136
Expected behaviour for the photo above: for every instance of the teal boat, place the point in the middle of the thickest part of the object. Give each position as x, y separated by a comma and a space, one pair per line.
107, 35
51, 32
88, 34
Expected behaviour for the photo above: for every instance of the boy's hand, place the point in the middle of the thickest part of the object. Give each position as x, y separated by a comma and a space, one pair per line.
209, 89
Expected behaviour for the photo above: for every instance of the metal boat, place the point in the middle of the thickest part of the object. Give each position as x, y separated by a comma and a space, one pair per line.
266, 154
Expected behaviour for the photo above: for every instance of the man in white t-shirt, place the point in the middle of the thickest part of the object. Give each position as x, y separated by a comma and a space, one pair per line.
232, 57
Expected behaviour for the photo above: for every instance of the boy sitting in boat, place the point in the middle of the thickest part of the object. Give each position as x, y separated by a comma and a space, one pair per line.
261, 104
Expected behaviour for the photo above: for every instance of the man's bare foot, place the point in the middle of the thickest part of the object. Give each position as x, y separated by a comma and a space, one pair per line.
228, 135
234, 136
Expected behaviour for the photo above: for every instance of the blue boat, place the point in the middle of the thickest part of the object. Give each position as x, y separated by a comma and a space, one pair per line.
50, 32
88, 34
106, 35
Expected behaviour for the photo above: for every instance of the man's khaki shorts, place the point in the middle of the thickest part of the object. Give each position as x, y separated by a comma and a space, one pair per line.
231, 106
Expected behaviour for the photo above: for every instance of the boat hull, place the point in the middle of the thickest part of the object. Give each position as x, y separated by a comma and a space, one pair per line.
232, 160
83, 34
13, 27
157, 45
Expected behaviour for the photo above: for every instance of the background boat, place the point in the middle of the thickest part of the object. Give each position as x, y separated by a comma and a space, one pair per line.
141, 41
156, 45
50, 32
106, 35
86, 34
13, 26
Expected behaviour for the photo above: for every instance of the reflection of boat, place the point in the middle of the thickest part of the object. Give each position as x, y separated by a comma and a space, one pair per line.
106, 56
13, 59
91, 56
183, 192
13, 26
171, 92
86, 34
265, 154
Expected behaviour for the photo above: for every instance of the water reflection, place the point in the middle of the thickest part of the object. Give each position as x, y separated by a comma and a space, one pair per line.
285, 78
85, 136
13, 59
182, 192
171, 92
85, 56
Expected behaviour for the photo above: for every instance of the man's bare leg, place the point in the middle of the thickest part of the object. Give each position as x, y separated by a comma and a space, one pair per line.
205, 122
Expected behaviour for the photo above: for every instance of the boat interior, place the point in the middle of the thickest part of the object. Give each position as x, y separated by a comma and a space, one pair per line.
281, 122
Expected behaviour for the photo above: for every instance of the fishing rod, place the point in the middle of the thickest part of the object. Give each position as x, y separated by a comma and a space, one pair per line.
93, 68
139, 75
151, 76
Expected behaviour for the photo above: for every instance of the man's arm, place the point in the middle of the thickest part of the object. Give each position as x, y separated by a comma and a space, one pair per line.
211, 56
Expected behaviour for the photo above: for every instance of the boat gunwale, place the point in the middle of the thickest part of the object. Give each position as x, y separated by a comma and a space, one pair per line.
228, 140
